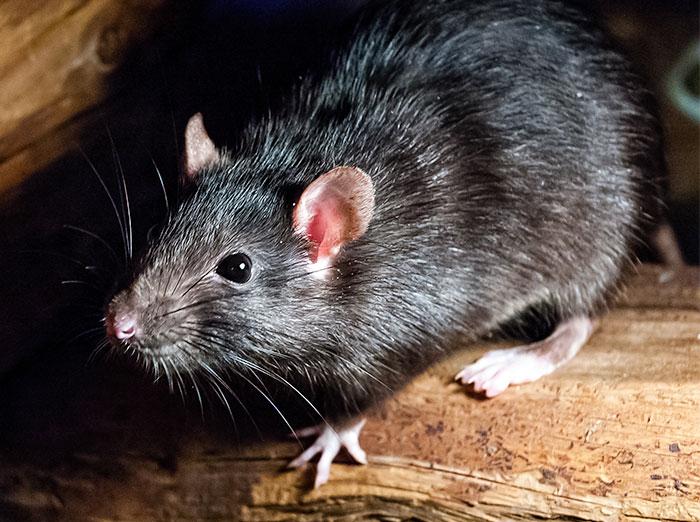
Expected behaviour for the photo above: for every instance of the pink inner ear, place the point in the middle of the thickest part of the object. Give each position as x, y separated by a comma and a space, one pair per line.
335, 209
316, 230
328, 227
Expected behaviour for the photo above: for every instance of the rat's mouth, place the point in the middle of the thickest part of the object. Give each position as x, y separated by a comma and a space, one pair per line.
166, 360
165, 349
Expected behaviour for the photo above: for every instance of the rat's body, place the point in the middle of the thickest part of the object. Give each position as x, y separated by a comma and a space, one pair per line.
509, 152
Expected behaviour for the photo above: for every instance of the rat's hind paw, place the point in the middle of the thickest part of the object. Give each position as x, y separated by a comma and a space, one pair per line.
498, 369
329, 441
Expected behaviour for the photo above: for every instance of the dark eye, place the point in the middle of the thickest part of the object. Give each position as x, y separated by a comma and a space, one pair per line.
236, 267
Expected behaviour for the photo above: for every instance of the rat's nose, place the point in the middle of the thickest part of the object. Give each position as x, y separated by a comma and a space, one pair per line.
122, 327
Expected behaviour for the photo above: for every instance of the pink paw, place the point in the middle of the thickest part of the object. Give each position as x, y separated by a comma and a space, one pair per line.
329, 441
498, 369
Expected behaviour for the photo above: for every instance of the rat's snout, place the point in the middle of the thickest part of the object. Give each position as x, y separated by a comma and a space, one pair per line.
122, 326
122, 321
139, 320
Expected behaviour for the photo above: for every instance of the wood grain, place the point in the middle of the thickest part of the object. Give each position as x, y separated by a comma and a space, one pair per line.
615, 435
56, 63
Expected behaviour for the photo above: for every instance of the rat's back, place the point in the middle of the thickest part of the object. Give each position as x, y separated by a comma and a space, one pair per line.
508, 143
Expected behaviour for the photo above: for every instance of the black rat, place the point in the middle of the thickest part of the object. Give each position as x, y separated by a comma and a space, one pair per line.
461, 166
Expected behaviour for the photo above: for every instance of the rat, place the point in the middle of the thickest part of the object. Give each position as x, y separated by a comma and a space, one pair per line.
460, 167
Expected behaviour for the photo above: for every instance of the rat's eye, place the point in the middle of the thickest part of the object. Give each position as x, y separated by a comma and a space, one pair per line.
236, 267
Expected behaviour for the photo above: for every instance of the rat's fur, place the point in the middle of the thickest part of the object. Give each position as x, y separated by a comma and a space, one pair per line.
511, 151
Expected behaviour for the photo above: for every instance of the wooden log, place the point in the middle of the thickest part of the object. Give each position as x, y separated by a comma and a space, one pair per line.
615, 435
56, 63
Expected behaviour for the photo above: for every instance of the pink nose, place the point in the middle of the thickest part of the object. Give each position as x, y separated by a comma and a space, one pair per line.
122, 327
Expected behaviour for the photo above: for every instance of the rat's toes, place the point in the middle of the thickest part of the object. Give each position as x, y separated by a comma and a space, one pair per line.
512, 366
323, 468
468, 373
305, 457
329, 443
495, 388
481, 379
478, 372
520, 367
484, 367
498, 369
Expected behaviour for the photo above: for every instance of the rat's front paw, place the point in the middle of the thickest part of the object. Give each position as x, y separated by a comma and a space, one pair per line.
329, 441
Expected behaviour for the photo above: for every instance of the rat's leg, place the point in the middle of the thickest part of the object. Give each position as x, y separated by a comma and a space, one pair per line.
329, 441
666, 244
498, 369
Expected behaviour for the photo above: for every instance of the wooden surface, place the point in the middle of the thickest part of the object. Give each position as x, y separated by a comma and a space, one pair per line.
615, 435
57, 61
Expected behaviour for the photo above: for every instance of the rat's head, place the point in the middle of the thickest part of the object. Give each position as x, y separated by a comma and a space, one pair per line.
242, 272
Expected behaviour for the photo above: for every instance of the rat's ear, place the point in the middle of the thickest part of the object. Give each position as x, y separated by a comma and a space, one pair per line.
200, 151
333, 210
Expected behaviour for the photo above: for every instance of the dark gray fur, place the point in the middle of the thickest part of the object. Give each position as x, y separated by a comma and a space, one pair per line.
512, 152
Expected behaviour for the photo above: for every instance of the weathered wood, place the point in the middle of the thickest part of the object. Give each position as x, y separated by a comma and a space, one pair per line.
615, 435
56, 61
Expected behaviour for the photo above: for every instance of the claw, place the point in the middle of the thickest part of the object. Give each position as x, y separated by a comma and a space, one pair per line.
328, 443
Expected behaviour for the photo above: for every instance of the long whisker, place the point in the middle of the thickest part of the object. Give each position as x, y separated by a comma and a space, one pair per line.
192, 305
80, 282
245, 409
291, 386
220, 393
253, 366
111, 200
195, 283
56, 254
162, 187
96, 351
272, 403
180, 383
84, 333
298, 340
126, 207
207, 368
97, 238
168, 376
195, 385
